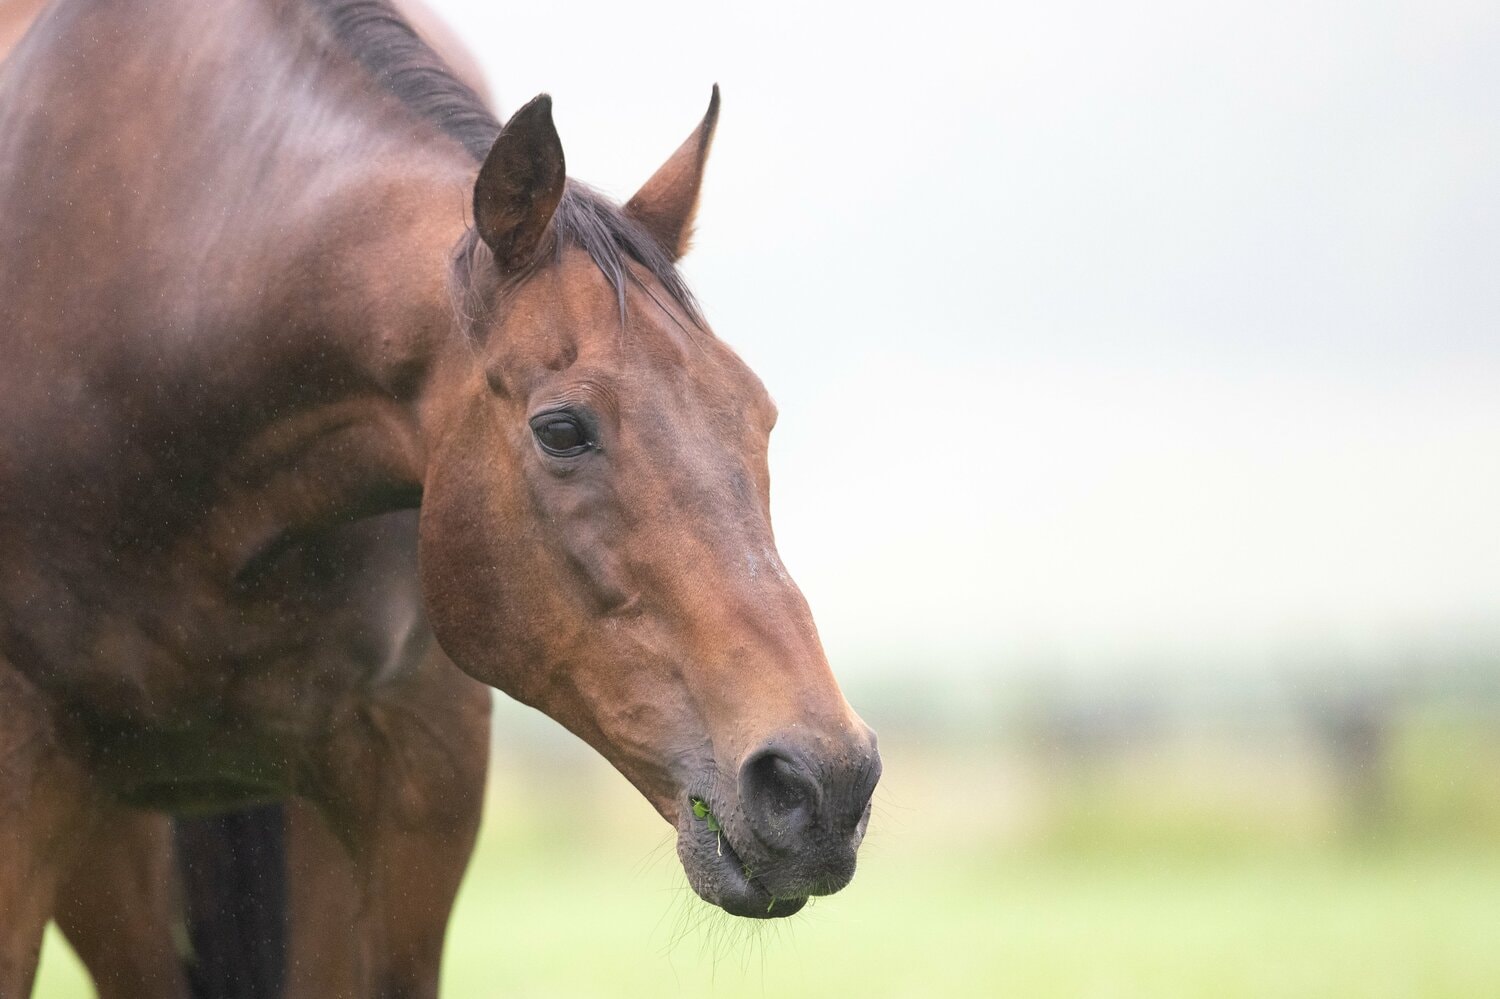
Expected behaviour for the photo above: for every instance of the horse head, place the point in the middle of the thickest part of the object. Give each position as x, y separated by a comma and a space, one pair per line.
596, 536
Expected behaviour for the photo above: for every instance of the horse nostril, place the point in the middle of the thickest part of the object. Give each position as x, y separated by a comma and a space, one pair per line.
784, 786
779, 795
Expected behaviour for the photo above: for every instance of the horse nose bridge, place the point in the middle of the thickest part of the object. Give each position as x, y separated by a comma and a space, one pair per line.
733, 549
764, 630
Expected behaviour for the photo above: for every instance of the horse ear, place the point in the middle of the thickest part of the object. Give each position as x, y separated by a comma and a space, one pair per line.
665, 206
520, 184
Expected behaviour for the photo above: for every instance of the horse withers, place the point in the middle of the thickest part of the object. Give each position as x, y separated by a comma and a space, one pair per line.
275, 410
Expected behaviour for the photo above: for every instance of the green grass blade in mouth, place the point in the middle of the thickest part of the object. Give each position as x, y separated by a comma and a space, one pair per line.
700, 810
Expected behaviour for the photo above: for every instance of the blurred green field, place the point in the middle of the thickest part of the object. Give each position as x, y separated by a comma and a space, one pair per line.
957, 896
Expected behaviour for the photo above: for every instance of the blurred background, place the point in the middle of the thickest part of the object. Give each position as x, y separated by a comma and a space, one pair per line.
1140, 457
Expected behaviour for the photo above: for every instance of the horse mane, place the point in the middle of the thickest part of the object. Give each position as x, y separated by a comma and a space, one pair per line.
376, 36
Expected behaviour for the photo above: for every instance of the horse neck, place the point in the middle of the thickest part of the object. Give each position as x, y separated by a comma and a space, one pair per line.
359, 338
348, 209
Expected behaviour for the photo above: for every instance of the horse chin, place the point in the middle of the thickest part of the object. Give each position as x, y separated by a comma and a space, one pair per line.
720, 877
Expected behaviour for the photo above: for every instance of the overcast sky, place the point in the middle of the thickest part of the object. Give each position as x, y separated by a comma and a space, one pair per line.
1098, 330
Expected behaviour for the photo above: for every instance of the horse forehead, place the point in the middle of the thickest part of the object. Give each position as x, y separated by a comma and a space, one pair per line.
567, 318
571, 299
691, 367
654, 341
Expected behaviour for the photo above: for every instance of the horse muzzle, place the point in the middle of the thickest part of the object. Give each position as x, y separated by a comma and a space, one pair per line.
789, 827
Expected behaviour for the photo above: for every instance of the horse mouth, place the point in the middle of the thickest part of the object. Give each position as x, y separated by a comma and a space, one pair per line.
716, 872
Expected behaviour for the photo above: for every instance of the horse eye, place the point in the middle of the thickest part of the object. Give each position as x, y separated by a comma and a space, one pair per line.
560, 435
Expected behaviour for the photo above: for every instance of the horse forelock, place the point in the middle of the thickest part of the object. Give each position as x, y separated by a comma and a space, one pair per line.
619, 247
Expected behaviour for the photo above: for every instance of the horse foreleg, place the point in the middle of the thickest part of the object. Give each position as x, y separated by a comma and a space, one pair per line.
47, 809
118, 907
375, 867
325, 949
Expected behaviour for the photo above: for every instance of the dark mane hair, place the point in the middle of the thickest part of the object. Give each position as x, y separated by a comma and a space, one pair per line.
375, 34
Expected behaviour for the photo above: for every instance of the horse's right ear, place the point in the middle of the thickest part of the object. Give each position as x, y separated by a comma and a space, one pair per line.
520, 185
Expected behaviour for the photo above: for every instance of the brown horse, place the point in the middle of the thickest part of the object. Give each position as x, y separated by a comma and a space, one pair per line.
300, 350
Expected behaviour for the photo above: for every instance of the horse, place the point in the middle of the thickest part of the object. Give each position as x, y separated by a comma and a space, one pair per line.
328, 405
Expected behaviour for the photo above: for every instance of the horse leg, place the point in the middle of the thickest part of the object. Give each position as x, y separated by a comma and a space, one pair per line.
47, 808
118, 907
376, 865
325, 955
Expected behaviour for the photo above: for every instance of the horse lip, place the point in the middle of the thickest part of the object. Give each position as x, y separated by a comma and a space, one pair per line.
716, 872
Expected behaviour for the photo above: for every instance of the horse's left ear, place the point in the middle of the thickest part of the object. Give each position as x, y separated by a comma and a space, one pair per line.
665, 206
